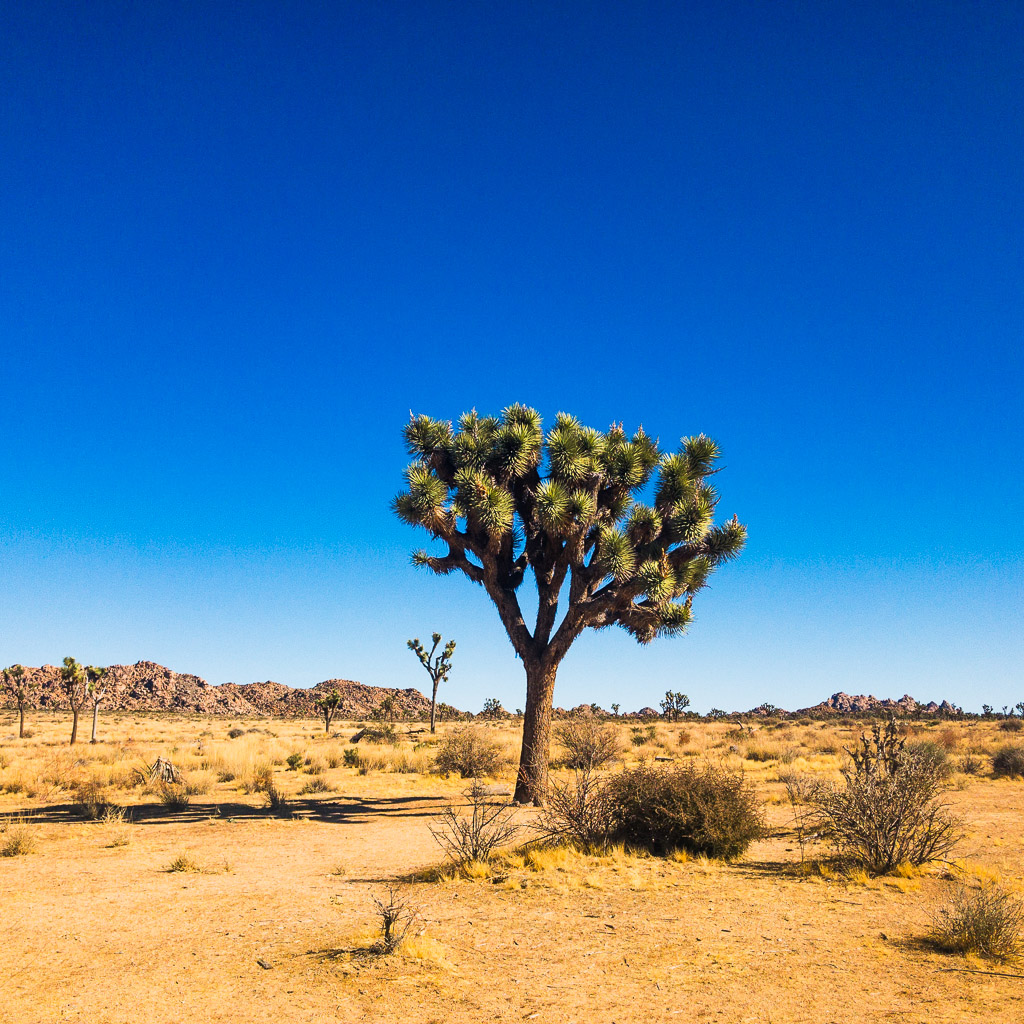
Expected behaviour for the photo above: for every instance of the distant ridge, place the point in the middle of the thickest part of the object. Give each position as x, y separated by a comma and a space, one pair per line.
146, 686
845, 704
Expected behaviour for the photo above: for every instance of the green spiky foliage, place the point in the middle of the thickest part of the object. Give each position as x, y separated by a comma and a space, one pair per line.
328, 704
15, 681
605, 522
73, 682
438, 667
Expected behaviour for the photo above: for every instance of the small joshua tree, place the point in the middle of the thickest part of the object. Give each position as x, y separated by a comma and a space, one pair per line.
75, 686
328, 704
615, 709
674, 705
564, 509
96, 685
15, 681
437, 666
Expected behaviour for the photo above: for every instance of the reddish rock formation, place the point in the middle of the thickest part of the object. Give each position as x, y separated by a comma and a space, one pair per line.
843, 704
146, 686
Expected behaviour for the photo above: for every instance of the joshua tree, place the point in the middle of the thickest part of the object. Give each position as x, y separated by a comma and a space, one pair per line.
17, 684
674, 705
75, 686
437, 667
96, 684
615, 709
506, 500
328, 704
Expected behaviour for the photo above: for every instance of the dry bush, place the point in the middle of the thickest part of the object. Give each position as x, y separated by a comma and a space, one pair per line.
704, 810
184, 862
474, 836
970, 765
949, 738
396, 914
17, 837
469, 752
887, 810
933, 756
1011, 725
175, 796
986, 922
578, 813
92, 800
1008, 762
589, 743
315, 785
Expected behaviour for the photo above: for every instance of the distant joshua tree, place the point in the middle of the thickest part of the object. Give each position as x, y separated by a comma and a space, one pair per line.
75, 686
15, 681
492, 708
96, 685
437, 667
615, 709
563, 509
328, 704
674, 705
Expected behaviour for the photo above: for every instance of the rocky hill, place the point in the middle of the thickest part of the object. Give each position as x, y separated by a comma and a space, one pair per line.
844, 704
146, 686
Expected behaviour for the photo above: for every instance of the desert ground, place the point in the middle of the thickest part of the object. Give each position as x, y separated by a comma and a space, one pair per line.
119, 905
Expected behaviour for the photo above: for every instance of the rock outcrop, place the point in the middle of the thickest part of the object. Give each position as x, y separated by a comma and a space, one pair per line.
146, 686
844, 704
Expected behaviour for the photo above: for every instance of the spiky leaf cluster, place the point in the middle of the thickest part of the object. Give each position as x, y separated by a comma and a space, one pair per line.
505, 497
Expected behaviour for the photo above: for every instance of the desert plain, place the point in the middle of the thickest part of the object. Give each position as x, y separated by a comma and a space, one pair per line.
119, 905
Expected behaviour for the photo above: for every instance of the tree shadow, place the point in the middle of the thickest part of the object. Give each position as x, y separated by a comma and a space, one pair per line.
339, 810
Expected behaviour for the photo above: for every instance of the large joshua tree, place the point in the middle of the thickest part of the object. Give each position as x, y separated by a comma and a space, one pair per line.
508, 500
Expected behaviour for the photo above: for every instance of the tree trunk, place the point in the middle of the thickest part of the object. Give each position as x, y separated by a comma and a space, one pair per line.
433, 704
74, 725
532, 780
95, 719
21, 721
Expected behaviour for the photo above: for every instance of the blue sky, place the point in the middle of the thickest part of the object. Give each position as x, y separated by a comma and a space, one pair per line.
241, 241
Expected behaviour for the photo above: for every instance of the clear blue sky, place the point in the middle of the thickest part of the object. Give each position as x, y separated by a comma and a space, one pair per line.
240, 241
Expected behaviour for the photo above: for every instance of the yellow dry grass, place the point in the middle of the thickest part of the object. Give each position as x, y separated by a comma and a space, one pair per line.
268, 918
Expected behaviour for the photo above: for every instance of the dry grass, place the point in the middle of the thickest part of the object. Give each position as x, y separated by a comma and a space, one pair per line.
577, 936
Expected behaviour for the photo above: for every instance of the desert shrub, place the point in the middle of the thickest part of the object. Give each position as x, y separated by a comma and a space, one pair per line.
1011, 725
474, 834
949, 738
396, 915
382, 733
933, 756
184, 862
277, 802
986, 922
970, 764
16, 837
683, 737
468, 751
258, 778
588, 742
175, 796
294, 762
234, 733
1008, 762
704, 810
92, 800
759, 753
315, 785
578, 813
887, 810
198, 784
350, 757
314, 766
